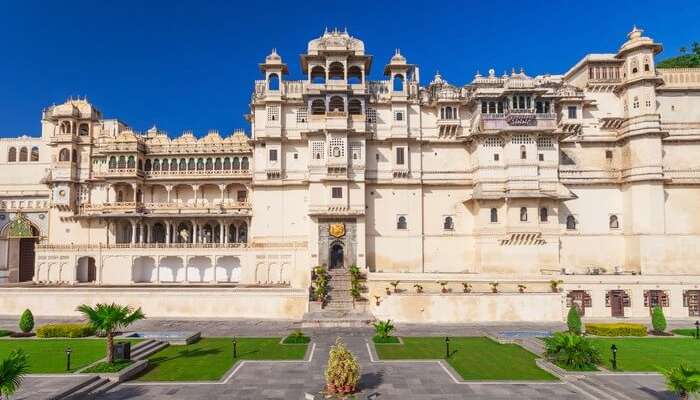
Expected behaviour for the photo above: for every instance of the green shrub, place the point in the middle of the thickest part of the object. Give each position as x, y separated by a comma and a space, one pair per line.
573, 321
618, 329
26, 321
296, 337
64, 330
572, 351
4, 333
383, 329
343, 371
384, 340
658, 321
684, 332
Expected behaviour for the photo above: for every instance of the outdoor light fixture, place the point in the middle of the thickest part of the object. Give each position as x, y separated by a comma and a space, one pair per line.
697, 329
613, 348
235, 353
68, 351
447, 347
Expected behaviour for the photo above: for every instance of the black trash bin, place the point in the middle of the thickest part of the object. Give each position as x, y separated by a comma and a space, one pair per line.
122, 351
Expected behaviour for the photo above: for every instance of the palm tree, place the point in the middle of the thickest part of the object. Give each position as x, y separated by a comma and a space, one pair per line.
108, 318
572, 350
682, 380
12, 371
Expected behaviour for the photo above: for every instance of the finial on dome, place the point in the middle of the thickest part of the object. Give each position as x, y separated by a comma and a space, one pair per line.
635, 32
477, 75
492, 73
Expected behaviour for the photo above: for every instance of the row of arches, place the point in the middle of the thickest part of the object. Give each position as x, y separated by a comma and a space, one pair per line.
24, 154
336, 72
68, 155
182, 232
336, 104
207, 193
571, 222
83, 129
192, 164
198, 269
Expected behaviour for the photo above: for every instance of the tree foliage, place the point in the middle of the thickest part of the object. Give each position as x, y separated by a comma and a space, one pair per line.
26, 321
691, 60
682, 380
109, 318
12, 371
658, 320
573, 321
572, 350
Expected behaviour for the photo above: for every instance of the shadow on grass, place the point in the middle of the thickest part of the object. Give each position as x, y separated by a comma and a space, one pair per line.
185, 354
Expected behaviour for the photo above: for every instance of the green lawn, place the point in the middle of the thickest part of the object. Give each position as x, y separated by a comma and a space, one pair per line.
685, 332
649, 354
209, 358
48, 355
474, 358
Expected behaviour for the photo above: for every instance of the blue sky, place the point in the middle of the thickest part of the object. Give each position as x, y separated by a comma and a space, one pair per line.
191, 65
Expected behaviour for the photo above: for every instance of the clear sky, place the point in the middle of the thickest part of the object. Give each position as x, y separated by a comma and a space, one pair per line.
190, 65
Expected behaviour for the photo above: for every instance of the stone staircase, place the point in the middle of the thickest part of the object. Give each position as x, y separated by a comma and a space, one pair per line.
146, 348
340, 310
87, 390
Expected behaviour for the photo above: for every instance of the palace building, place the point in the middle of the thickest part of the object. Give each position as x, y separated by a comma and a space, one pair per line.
509, 198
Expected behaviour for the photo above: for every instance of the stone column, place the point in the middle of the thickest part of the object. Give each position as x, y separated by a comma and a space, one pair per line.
148, 233
109, 189
169, 188
195, 232
225, 228
141, 235
223, 191
134, 187
221, 232
133, 231
195, 188
167, 232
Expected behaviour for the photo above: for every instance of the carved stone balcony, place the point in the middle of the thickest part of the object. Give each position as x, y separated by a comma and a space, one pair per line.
231, 173
121, 173
518, 120
227, 207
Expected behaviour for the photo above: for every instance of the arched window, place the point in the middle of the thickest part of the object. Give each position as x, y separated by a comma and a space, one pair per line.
336, 104
317, 74
200, 164
112, 162
131, 163
523, 214
318, 107
165, 165
635, 66
243, 233
448, 112
646, 64
354, 75
448, 224
148, 165
65, 127
64, 155
173, 165
492, 107
183, 165
236, 163
227, 164
75, 156
156, 165
398, 83
122, 162
523, 152
35, 154
191, 165
570, 223
494, 215
12, 155
244, 164
217, 164
355, 107
120, 197
23, 154
614, 223
336, 71
209, 164
232, 238
544, 214
401, 222
84, 129
273, 82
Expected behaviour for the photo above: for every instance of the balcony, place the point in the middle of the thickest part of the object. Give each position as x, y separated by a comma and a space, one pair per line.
227, 207
518, 120
63, 138
121, 173
223, 173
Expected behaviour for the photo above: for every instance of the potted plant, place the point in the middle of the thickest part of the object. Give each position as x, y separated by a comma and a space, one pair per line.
521, 288
376, 299
395, 284
419, 288
388, 291
466, 287
444, 286
343, 370
554, 284
494, 287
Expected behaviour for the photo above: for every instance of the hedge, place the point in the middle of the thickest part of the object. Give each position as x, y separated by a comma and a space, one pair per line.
64, 330
619, 329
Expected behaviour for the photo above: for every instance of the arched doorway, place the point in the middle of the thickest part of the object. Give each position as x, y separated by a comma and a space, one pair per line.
21, 236
337, 255
86, 270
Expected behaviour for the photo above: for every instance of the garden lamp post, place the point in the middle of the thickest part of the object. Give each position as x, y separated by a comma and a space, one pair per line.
68, 351
235, 352
697, 329
447, 347
613, 348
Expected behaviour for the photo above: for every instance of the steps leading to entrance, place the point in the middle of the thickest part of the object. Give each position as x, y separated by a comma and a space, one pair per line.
336, 319
340, 309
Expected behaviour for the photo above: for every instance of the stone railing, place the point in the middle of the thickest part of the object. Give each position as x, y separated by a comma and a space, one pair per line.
680, 77
142, 246
198, 173
164, 206
518, 119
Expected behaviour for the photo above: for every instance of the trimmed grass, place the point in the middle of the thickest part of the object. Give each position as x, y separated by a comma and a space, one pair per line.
296, 340
105, 367
210, 358
685, 332
48, 356
649, 354
474, 358
388, 339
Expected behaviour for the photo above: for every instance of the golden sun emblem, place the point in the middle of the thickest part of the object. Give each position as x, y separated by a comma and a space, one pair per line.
337, 230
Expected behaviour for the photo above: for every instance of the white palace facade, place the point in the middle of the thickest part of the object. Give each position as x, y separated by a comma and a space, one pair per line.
492, 190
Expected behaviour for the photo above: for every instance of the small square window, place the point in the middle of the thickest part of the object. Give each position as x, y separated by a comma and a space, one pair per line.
496, 157
399, 156
608, 154
401, 222
337, 192
273, 154
572, 112
296, 156
398, 116
541, 156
